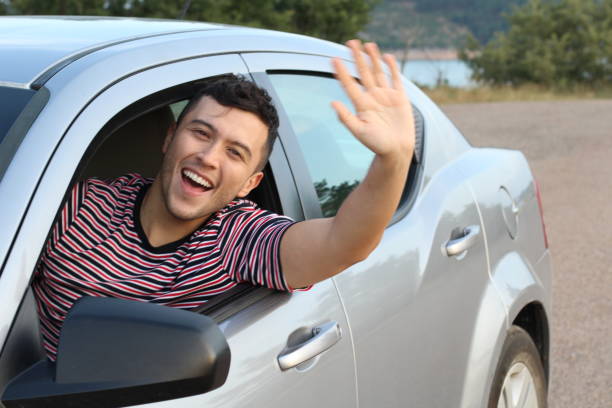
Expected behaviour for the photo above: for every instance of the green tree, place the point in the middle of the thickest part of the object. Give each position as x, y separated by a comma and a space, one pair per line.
332, 197
335, 20
150, 8
555, 43
254, 13
59, 7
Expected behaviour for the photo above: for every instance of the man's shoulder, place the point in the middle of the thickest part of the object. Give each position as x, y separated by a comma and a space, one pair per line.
242, 207
122, 184
123, 189
248, 211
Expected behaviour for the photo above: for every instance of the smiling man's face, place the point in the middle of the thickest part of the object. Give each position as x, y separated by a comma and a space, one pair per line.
211, 158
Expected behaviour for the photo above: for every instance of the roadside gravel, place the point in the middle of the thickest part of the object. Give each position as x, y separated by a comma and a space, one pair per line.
569, 147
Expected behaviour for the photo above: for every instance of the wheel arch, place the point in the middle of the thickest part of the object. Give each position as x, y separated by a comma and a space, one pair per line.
490, 336
524, 288
533, 319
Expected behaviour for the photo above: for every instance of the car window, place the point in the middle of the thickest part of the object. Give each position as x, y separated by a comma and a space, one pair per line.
337, 162
177, 107
12, 101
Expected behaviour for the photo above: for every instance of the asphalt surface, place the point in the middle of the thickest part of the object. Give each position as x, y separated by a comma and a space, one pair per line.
569, 147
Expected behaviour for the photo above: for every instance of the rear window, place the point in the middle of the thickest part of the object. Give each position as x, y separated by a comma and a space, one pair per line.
12, 102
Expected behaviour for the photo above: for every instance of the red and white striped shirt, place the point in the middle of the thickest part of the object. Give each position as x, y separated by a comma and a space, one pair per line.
98, 248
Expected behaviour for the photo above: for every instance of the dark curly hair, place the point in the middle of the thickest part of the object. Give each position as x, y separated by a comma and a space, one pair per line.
236, 91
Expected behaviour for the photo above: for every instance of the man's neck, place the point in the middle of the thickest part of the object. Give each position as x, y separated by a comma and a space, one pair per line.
158, 224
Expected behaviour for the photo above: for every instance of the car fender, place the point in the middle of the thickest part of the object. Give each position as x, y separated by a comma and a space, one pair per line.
514, 286
518, 283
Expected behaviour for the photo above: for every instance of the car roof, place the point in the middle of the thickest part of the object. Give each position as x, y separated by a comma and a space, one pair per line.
39, 46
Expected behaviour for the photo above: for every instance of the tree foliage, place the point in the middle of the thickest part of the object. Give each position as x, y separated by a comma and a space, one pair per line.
559, 43
334, 20
332, 197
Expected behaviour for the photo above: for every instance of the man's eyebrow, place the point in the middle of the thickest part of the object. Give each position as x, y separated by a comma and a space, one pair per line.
242, 146
204, 123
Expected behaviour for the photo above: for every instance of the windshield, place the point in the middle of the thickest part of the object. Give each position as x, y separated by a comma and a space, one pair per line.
12, 102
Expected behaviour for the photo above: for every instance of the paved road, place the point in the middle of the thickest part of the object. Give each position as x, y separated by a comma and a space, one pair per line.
569, 147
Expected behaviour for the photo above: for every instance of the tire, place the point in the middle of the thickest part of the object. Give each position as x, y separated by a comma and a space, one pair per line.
519, 380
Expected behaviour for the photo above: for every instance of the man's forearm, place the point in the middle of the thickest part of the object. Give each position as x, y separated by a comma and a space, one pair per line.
361, 220
317, 249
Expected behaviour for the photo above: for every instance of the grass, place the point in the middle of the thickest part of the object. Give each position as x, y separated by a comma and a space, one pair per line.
446, 94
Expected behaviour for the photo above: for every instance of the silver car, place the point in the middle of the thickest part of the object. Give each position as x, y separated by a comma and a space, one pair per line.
451, 310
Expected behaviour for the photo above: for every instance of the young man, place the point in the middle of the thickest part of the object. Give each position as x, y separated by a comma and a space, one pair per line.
188, 235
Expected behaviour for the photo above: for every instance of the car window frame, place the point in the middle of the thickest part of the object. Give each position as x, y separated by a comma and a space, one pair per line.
299, 169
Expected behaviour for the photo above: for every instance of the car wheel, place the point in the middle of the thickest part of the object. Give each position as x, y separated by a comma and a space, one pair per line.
519, 381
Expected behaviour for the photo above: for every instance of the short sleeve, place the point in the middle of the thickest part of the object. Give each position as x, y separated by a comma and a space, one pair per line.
251, 247
69, 211
83, 193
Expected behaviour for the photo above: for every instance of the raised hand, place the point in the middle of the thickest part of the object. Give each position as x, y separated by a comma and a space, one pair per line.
383, 121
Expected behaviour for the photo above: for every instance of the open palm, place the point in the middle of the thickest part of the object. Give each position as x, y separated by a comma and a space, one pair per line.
383, 121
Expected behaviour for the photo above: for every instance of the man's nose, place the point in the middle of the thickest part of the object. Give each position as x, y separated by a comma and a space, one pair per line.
211, 156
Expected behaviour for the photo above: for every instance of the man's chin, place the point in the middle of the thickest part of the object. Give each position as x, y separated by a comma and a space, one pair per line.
186, 216
189, 211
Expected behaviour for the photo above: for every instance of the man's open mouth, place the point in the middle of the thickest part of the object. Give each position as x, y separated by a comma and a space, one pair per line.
194, 180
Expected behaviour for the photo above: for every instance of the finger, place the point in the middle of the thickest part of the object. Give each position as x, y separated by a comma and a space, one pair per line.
350, 85
351, 121
396, 76
364, 69
379, 73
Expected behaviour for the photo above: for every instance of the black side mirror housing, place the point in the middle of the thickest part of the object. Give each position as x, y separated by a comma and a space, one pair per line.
116, 352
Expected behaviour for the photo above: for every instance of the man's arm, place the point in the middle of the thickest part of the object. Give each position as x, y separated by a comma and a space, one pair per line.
314, 250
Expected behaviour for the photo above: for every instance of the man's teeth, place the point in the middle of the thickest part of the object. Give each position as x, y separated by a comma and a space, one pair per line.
197, 179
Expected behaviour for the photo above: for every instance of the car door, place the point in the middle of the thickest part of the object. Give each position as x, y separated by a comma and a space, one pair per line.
258, 333
413, 304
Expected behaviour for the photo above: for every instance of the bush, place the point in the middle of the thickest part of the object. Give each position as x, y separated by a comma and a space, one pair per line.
560, 43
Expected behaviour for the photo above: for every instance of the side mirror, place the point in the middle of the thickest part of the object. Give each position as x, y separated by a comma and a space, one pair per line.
115, 352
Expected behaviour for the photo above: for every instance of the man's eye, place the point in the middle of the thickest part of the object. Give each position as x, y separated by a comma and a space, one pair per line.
201, 133
234, 153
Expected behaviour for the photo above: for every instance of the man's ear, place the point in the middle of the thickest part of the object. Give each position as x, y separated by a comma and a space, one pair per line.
250, 184
169, 135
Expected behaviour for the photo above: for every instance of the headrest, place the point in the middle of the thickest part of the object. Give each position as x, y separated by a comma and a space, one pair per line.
133, 148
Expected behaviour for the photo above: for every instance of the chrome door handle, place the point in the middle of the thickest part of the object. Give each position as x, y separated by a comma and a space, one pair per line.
323, 338
458, 245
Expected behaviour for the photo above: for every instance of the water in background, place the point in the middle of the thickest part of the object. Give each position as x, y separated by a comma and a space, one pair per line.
430, 72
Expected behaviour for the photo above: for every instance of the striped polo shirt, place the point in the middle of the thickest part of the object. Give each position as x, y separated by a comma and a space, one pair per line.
98, 248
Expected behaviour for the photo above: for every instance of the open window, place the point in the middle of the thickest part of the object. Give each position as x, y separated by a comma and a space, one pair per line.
131, 142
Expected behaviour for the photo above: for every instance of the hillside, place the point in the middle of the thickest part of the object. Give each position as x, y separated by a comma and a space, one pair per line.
435, 23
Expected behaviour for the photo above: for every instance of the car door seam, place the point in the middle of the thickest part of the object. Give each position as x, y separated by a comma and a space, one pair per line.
350, 331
